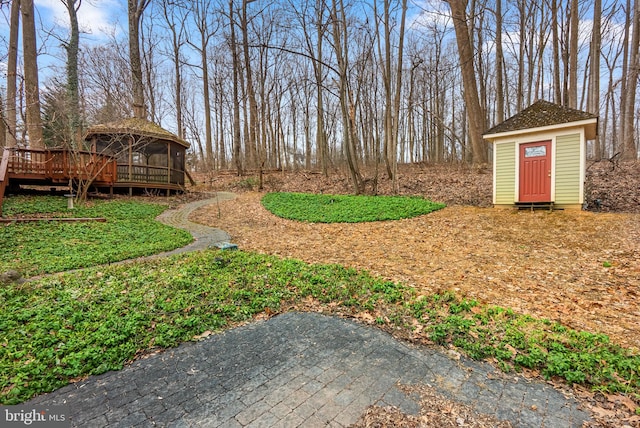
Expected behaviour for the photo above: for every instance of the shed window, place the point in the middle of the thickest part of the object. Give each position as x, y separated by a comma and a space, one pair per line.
532, 152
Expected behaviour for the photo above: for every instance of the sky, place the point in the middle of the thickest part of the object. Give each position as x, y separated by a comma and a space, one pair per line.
97, 19
94, 16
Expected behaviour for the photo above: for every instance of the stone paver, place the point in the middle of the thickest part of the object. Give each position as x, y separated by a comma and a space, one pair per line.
299, 369
205, 236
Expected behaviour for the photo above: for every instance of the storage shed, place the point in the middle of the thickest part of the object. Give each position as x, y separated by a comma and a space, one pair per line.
539, 156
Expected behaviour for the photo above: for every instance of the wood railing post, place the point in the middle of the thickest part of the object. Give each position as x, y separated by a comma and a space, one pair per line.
4, 174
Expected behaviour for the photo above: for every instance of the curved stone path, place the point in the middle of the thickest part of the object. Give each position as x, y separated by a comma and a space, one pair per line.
204, 236
295, 370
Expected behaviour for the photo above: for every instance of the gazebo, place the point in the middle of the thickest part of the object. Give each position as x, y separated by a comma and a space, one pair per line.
148, 157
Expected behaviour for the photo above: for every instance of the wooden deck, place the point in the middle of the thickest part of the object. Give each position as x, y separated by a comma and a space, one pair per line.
57, 167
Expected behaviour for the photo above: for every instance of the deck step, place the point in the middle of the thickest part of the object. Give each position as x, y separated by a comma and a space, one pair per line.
536, 206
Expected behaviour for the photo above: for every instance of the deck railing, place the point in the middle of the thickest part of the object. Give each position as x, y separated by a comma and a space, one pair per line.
4, 174
150, 174
60, 164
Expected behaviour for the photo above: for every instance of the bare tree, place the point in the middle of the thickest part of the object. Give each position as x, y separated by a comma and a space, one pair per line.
106, 75
202, 13
557, 93
472, 101
311, 18
593, 98
392, 89
173, 13
499, 64
32, 87
628, 100
236, 91
613, 51
253, 135
135, 10
321, 139
12, 74
339, 29
316, 83
3, 125
572, 94
151, 69
72, 47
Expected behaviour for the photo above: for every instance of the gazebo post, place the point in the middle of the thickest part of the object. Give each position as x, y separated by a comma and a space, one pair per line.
168, 164
130, 162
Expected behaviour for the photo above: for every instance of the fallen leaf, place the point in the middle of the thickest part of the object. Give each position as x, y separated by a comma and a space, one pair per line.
203, 336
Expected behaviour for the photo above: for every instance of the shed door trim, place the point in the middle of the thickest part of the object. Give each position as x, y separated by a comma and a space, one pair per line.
534, 177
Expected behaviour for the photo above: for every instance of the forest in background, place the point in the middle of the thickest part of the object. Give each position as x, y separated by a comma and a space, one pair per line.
322, 84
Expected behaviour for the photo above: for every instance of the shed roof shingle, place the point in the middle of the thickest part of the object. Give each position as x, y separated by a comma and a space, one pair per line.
540, 114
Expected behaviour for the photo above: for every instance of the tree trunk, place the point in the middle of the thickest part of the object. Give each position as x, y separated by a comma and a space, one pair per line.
521, 52
206, 98
12, 74
73, 99
572, 100
593, 97
251, 94
150, 83
177, 41
398, 93
206, 27
347, 108
236, 95
465, 52
3, 125
321, 140
499, 63
557, 92
32, 88
623, 81
222, 156
135, 11
629, 150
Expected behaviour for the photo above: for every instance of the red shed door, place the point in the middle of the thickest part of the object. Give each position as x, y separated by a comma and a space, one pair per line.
535, 172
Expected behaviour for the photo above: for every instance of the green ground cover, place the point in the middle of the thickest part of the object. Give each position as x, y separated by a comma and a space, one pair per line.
65, 326
315, 208
46, 247
70, 325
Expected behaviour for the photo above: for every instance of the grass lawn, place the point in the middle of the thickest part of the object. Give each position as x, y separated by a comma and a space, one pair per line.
65, 326
346, 208
46, 247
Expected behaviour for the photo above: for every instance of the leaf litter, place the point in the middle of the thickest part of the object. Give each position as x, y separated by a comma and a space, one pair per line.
579, 268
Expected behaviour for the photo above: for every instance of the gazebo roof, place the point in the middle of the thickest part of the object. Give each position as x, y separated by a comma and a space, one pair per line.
542, 114
136, 126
